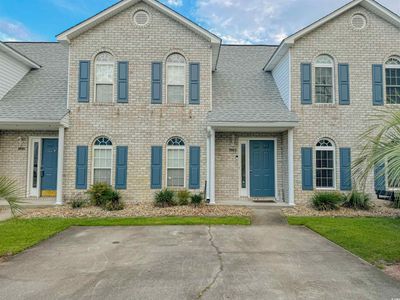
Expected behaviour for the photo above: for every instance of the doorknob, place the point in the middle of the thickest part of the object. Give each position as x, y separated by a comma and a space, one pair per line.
41, 172
251, 171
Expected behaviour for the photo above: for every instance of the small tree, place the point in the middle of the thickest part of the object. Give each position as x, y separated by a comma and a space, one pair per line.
10, 192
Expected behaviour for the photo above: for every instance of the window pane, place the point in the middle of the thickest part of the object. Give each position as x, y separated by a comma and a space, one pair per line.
176, 75
243, 165
104, 73
102, 176
323, 85
102, 158
175, 94
104, 93
324, 168
176, 158
175, 178
393, 86
35, 164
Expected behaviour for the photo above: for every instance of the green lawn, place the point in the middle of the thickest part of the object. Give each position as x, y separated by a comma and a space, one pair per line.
377, 240
17, 235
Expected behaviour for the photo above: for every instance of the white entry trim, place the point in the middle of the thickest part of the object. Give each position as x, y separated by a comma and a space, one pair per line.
245, 192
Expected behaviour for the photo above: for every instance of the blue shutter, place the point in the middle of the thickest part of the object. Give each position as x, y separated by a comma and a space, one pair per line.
84, 81
121, 167
194, 85
156, 167
380, 183
156, 83
307, 168
81, 167
344, 84
306, 88
123, 69
377, 84
194, 169
345, 169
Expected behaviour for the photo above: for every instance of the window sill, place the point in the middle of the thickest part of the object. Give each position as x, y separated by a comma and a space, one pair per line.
104, 104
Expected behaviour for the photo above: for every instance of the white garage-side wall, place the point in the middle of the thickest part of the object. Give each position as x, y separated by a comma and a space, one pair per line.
11, 72
281, 74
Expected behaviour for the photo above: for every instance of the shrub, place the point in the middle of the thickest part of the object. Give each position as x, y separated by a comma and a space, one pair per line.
396, 200
327, 200
78, 201
164, 198
113, 201
183, 197
98, 193
196, 199
357, 200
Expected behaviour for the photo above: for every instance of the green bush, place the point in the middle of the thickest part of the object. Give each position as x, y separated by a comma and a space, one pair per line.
396, 200
98, 193
79, 201
357, 200
327, 200
196, 199
183, 197
113, 201
164, 198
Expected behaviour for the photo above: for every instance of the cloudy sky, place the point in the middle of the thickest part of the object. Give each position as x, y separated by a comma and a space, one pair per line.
236, 21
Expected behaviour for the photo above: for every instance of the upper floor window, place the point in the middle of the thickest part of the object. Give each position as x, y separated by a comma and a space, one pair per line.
324, 79
102, 160
175, 162
176, 79
325, 164
104, 77
392, 75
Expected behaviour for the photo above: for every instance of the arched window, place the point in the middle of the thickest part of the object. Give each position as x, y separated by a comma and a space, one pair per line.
175, 162
104, 77
102, 160
176, 79
324, 79
325, 164
392, 67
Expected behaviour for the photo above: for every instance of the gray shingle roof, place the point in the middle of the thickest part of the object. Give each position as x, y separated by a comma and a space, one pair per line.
242, 91
42, 93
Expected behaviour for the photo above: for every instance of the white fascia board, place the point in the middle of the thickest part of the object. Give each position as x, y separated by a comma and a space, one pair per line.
18, 56
30, 124
248, 126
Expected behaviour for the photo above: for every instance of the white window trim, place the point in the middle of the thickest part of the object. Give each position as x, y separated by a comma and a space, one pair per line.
387, 187
325, 65
96, 83
95, 147
184, 82
330, 148
184, 166
388, 66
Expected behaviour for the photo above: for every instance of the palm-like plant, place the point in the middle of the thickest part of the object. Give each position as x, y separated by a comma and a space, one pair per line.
10, 191
380, 145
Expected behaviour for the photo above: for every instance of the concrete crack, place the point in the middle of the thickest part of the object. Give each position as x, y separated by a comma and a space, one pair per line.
221, 265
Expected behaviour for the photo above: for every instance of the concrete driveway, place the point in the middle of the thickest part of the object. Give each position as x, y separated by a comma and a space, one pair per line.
269, 261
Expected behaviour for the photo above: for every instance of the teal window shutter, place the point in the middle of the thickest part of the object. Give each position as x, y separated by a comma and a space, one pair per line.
307, 168
194, 168
156, 83
194, 86
377, 84
306, 84
121, 168
344, 84
345, 169
84, 81
123, 70
379, 173
81, 167
156, 167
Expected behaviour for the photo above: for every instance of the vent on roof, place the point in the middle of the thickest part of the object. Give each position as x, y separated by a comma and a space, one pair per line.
141, 18
358, 21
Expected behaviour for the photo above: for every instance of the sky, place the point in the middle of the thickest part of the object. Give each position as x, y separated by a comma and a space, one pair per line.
235, 21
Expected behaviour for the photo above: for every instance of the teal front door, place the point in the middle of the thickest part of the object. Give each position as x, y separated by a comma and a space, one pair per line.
262, 169
49, 167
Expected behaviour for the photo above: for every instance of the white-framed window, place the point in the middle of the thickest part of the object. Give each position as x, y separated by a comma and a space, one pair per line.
392, 78
324, 79
102, 160
325, 164
176, 79
176, 163
104, 78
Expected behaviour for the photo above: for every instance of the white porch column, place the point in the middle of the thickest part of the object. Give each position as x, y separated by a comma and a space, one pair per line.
290, 167
60, 166
208, 166
212, 166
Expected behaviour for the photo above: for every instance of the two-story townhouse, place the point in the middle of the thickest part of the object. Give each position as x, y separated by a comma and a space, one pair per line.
142, 98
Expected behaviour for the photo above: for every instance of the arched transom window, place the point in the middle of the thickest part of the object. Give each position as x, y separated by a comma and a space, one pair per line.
102, 160
176, 162
325, 164
392, 73
176, 78
104, 77
324, 79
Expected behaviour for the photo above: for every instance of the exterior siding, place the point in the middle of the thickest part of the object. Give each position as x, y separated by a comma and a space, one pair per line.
342, 123
11, 72
281, 74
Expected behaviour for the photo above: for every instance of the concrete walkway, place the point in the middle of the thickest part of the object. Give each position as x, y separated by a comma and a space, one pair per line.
5, 214
270, 260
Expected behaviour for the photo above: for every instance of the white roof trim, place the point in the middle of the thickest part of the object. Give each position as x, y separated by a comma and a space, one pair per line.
18, 56
371, 5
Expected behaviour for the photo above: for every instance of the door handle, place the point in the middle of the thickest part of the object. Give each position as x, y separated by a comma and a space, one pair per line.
41, 172
251, 171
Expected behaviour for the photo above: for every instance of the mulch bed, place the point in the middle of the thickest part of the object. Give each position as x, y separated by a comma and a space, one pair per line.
137, 210
380, 208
